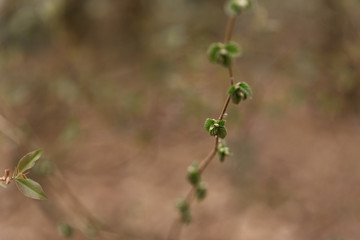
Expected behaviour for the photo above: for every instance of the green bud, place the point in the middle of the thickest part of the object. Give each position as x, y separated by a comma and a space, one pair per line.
223, 54
201, 191
223, 151
193, 174
182, 205
216, 127
239, 91
235, 98
235, 7
65, 230
213, 130
221, 132
224, 59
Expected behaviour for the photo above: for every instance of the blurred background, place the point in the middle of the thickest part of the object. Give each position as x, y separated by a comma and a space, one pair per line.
116, 94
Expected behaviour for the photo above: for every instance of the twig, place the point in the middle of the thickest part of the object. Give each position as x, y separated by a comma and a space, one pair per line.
176, 226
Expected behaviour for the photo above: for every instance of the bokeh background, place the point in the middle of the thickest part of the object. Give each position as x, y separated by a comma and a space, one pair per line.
116, 93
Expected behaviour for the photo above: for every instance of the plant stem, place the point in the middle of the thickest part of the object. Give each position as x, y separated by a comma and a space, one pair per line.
176, 226
229, 29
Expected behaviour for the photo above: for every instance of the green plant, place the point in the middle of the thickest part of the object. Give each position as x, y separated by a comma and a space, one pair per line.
223, 54
26, 186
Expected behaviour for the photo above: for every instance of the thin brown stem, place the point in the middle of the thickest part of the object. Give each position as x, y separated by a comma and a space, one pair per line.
229, 29
176, 226
203, 164
224, 108
231, 76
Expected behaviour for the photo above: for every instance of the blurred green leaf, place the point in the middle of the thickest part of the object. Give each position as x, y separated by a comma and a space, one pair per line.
3, 185
30, 188
231, 90
245, 88
239, 91
218, 53
224, 59
28, 161
213, 52
235, 98
208, 123
221, 133
233, 48
65, 230
221, 122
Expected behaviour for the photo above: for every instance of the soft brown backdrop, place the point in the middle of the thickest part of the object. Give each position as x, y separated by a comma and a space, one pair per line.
116, 93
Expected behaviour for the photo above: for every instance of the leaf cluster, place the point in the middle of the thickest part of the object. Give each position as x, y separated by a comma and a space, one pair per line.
223, 151
216, 127
223, 54
194, 177
26, 186
239, 92
183, 206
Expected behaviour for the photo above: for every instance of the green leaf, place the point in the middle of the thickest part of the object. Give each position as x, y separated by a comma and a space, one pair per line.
213, 131
213, 52
3, 185
221, 132
28, 161
232, 8
245, 88
208, 123
221, 122
231, 90
224, 59
233, 49
30, 188
221, 156
235, 98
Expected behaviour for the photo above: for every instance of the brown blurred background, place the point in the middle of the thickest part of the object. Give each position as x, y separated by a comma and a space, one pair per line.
116, 93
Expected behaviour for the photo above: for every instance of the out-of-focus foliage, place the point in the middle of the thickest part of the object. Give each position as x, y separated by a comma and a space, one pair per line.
112, 88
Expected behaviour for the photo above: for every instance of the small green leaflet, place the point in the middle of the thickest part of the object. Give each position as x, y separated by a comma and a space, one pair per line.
30, 188
221, 122
208, 123
231, 90
28, 161
233, 49
3, 185
245, 88
213, 51
221, 132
